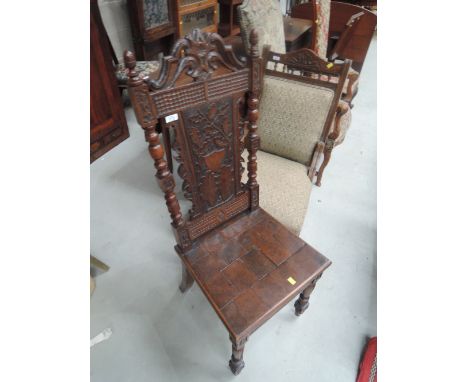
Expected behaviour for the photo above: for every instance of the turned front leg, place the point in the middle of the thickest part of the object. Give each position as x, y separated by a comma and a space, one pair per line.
236, 364
187, 279
302, 303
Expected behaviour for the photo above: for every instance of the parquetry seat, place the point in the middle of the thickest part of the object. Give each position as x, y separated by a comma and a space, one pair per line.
245, 266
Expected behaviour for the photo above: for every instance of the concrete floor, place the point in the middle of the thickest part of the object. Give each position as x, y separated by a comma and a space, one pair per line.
161, 335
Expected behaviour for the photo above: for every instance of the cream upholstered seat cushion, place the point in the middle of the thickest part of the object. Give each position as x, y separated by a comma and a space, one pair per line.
267, 19
284, 189
292, 116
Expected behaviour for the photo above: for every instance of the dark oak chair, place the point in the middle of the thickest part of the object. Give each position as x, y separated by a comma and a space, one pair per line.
246, 263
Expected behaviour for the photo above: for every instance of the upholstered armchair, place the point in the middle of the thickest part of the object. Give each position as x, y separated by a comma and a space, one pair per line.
266, 17
299, 125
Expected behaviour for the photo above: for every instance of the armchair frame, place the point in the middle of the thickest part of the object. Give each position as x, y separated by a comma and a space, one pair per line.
306, 66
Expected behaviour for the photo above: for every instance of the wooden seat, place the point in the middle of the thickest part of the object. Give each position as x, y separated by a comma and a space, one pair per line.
244, 267
247, 264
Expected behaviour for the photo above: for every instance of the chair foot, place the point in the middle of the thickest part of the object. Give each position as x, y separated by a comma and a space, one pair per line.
302, 303
236, 363
187, 280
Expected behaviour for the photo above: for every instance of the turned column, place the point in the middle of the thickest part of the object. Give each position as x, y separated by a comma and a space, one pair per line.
146, 116
341, 110
253, 140
302, 303
236, 363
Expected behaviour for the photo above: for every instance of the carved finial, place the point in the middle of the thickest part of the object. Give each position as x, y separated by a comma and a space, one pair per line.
130, 64
129, 59
253, 39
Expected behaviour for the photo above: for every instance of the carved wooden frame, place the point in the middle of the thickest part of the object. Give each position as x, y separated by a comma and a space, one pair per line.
199, 70
305, 66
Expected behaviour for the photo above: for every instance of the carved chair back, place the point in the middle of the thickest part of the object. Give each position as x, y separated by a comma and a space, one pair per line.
208, 97
314, 87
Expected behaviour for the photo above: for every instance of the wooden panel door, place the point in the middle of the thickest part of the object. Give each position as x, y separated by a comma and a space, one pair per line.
108, 123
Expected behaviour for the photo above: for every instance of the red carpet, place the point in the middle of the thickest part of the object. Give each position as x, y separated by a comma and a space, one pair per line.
368, 366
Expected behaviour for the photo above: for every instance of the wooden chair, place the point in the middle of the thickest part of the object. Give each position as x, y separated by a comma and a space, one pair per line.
246, 263
350, 33
300, 124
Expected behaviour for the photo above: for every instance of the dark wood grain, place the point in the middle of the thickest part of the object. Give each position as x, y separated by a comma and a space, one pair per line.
356, 34
108, 124
228, 19
246, 263
149, 43
297, 33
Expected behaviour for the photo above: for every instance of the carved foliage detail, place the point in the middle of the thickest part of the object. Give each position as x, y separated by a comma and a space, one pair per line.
210, 134
308, 60
198, 55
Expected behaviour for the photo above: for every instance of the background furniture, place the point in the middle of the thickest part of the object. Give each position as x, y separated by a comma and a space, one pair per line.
354, 33
228, 19
299, 105
153, 25
319, 12
265, 17
297, 33
201, 14
108, 123
246, 263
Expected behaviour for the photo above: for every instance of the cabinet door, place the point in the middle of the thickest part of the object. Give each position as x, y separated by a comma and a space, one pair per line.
108, 123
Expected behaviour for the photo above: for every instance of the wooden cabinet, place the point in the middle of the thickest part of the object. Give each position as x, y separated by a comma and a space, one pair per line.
193, 14
108, 123
153, 24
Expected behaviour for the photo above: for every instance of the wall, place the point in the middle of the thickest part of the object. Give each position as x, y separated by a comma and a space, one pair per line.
115, 18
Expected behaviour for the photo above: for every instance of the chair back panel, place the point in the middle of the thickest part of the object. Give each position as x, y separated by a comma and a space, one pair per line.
208, 142
299, 101
292, 117
207, 97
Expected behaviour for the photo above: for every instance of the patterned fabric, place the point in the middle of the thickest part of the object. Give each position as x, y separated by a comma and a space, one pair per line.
323, 11
155, 13
291, 117
278, 177
266, 17
144, 68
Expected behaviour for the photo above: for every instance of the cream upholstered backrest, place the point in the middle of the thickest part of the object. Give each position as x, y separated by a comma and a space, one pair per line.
266, 17
292, 117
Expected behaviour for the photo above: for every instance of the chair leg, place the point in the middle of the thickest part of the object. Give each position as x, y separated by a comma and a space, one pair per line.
352, 90
326, 159
187, 280
236, 363
302, 303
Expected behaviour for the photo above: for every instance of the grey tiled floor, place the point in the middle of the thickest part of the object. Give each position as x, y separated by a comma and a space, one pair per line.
161, 335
